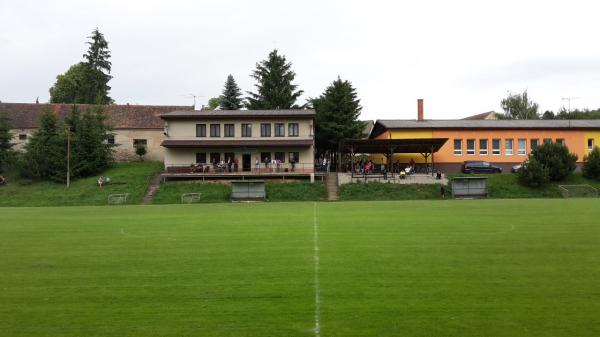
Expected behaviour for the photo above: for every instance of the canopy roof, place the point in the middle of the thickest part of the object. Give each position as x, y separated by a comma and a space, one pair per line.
412, 145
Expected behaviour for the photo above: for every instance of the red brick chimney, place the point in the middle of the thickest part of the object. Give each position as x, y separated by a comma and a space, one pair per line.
420, 110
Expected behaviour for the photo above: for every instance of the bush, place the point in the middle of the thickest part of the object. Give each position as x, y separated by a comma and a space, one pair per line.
556, 158
591, 165
533, 174
140, 150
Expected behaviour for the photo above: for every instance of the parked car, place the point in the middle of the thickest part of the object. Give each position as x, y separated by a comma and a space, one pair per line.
480, 167
518, 167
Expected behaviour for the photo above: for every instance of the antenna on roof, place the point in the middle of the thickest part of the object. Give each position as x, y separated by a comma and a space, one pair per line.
568, 99
194, 96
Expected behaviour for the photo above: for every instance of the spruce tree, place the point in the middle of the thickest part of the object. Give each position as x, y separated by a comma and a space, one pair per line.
274, 88
90, 152
86, 82
46, 151
6, 152
338, 109
231, 99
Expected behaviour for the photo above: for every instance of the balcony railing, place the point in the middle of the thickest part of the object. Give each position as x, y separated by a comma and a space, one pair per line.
283, 168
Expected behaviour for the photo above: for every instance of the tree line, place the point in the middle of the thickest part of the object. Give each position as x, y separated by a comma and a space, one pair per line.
521, 106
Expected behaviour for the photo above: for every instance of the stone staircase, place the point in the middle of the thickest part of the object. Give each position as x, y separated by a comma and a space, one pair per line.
152, 188
332, 186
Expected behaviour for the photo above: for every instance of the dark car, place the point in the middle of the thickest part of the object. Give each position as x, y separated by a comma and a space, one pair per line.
518, 167
480, 167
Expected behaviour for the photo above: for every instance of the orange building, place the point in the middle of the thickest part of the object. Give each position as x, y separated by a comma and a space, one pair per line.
501, 142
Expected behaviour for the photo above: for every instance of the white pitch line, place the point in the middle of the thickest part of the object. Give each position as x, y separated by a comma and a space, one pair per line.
316, 259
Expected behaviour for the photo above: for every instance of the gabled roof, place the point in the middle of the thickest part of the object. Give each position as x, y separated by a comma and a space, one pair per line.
128, 116
486, 115
194, 114
368, 127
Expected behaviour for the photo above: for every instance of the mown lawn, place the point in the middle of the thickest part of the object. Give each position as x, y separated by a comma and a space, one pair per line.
386, 268
132, 178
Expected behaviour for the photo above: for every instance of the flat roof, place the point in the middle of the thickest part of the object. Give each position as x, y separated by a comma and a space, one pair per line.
194, 114
414, 145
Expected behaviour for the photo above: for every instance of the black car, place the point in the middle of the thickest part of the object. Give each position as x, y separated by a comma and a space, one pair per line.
480, 167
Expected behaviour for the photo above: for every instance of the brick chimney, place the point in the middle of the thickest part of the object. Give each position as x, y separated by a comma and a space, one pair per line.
420, 110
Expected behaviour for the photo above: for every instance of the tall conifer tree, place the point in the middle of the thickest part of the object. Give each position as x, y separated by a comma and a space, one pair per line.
274, 88
231, 99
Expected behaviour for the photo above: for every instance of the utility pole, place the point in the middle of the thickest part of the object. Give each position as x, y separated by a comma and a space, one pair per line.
68, 156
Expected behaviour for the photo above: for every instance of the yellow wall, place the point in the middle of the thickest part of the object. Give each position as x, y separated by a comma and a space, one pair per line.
404, 157
595, 135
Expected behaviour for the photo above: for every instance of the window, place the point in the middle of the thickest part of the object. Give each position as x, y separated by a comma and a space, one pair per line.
470, 147
137, 142
483, 147
23, 136
215, 130
229, 130
200, 130
560, 141
293, 130
522, 149
590, 144
458, 147
229, 156
279, 130
496, 147
201, 158
533, 144
110, 139
265, 129
246, 130
294, 157
280, 156
215, 157
547, 140
508, 147
265, 157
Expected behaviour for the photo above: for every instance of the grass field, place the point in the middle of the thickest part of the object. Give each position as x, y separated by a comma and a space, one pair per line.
412, 268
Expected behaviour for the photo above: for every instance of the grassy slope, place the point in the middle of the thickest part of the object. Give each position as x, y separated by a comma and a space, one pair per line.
387, 191
132, 178
417, 268
170, 192
507, 186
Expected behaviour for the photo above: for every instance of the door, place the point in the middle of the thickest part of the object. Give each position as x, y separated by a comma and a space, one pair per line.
246, 161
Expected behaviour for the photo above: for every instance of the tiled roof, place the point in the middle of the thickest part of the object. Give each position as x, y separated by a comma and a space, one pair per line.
239, 113
27, 115
237, 142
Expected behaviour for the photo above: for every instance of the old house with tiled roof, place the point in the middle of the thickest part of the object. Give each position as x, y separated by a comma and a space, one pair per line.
131, 124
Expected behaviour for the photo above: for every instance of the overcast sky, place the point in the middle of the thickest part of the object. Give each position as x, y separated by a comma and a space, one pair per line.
462, 57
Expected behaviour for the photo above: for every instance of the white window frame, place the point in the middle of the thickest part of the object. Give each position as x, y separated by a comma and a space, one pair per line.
522, 151
471, 151
561, 141
509, 151
457, 151
483, 151
499, 149
590, 147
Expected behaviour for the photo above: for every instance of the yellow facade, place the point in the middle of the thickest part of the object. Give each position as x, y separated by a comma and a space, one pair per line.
405, 157
595, 135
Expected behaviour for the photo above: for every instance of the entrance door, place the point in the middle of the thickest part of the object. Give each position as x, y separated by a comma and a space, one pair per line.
246, 161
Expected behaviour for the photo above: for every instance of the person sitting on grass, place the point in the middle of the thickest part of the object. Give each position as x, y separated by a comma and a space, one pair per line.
103, 181
2, 180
